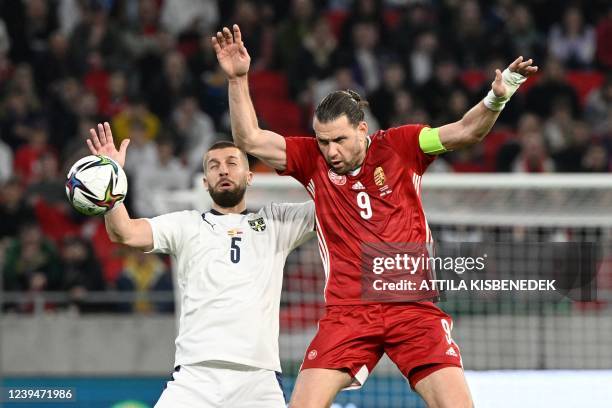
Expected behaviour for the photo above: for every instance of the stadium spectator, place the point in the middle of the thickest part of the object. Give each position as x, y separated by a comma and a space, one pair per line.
598, 109
170, 84
17, 114
551, 87
471, 38
178, 16
596, 160
261, 44
31, 261
81, 272
53, 64
534, 156
47, 184
362, 11
604, 45
573, 41
6, 162
558, 126
195, 131
523, 33
135, 111
315, 59
506, 155
421, 57
436, 92
14, 209
382, 100
571, 157
405, 107
27, 156
161, 176
64, 107
113, 99
208, 82
143, 274
97, 33
142, 152
293, 31
368, 56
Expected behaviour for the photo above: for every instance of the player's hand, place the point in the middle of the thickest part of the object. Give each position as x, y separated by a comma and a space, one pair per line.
101, 143
231, 53
525, 68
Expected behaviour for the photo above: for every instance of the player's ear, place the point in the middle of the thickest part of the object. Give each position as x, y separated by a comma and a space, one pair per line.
205, 182
250, 178
362, 128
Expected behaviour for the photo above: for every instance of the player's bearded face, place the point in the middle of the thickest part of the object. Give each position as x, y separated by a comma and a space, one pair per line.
225, 195
227, 178
341, 143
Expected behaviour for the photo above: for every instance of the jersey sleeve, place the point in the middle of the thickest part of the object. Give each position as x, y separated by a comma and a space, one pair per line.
405, 140
302, 153
169, 231
296, 223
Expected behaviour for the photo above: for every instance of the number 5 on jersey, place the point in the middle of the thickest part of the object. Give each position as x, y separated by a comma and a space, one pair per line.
363, 202
235, 250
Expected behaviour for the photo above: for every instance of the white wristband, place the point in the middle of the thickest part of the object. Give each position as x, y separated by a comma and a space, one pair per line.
512, 81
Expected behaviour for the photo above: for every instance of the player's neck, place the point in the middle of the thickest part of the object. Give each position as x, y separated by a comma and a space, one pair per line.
362, 157
237, 209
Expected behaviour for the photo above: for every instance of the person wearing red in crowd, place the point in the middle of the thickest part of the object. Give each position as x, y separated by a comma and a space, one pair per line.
366, 189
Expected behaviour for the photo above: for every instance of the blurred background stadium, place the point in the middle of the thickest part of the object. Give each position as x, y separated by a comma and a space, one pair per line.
78, 311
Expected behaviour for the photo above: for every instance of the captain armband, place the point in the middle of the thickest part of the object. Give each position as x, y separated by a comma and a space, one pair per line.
429, 141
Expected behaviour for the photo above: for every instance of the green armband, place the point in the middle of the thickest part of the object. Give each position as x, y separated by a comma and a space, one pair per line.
429, 140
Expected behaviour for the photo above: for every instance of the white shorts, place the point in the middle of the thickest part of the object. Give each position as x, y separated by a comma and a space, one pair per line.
221, 385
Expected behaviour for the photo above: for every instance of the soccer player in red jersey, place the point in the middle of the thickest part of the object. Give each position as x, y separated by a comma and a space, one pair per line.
366, 189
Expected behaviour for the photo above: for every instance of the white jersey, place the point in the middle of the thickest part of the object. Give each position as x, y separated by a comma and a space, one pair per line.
230, 274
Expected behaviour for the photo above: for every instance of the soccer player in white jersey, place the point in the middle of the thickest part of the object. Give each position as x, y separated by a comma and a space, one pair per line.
230, 267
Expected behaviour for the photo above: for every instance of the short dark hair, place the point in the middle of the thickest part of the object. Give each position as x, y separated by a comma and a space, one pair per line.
224, 144
340, 103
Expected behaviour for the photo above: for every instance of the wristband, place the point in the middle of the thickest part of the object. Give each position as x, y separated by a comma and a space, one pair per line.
512, 81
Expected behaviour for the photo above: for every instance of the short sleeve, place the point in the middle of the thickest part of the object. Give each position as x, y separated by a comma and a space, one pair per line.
169, 231
296, 223
302, 154
405, 140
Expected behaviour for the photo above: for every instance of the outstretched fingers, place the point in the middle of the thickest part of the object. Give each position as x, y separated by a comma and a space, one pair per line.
227, 35
237, 34
101, 134
216, 45
94, 141
220, 39
92, 149
108, 133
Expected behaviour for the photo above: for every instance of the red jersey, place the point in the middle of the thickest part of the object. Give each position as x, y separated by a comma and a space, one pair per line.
380, 204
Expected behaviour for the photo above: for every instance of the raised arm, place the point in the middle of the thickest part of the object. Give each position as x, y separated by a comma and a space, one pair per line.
135, 233
479, 120
235, 60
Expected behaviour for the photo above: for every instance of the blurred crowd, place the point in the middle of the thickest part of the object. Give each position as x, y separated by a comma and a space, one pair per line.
147, 67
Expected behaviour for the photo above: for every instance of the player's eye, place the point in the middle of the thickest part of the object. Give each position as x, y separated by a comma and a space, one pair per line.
233, 163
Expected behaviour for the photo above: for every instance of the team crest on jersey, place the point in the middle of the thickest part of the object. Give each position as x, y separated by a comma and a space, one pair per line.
379, 176
337, 179
258, 224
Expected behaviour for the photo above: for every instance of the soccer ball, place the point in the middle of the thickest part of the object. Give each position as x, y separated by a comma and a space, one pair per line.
95, 184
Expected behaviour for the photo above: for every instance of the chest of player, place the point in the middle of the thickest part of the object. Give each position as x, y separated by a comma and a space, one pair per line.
384, 187
226, 256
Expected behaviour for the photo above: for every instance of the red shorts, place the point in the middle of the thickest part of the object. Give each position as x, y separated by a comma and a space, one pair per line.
415, 336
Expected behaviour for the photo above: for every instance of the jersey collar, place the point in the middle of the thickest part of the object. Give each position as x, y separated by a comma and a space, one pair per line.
215, 212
